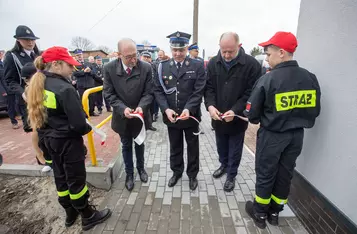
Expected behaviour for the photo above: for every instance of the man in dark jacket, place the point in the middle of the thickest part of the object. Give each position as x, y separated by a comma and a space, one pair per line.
231, 76
179, 87
24, 51
128, 87
284, 102
98, 81
84, 78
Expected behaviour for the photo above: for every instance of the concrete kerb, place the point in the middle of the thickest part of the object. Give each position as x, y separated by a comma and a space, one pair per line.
99, 177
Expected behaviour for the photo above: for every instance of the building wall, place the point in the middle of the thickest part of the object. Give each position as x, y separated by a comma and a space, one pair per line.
327, 36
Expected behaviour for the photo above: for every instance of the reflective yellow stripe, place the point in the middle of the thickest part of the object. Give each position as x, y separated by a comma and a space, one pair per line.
278, 200
63, 193
49, 99
79, 195
262, 200
296, 99
48, 161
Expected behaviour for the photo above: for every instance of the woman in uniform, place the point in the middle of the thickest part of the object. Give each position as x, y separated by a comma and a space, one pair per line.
24, 51
55, 110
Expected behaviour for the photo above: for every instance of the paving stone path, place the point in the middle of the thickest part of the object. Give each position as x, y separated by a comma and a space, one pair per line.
155, 208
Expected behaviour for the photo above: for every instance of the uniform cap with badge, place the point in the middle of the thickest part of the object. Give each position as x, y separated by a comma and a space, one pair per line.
24, 32
146, 54
193, 46
78, 51
179, 40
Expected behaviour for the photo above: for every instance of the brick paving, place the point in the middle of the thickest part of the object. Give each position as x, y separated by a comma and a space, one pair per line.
153, 207
16, 146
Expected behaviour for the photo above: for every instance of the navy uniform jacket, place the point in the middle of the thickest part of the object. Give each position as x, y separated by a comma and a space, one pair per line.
13, 82
132, 91
98, 74
84, 80
189, 84
284, 99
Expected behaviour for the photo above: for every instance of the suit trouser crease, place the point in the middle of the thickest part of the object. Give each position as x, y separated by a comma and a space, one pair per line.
127, 151
230, 148
274, 165
176, 136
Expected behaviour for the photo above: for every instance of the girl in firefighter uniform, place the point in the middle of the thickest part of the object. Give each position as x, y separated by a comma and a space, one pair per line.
55, 110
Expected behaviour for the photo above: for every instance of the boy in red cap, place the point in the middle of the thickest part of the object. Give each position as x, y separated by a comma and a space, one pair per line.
284, 102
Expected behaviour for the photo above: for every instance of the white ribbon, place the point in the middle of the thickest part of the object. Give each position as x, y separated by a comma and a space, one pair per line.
199, 129
142, 135
241, 117
99, 132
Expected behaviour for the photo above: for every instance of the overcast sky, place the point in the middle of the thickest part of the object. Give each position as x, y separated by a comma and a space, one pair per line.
57, 21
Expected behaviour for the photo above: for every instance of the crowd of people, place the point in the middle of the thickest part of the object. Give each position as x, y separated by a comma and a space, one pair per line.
283, 101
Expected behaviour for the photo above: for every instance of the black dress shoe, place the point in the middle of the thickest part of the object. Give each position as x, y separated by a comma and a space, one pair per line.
109, 109
152, 128
193, 183
273, 219
173, 180
143, 175
129, 182
229, 185
259, 219
93, 114
219, 172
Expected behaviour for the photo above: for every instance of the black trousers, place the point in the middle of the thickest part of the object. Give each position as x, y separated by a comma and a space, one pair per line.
127, 151
230, 149
99, 101
46, 154
91, 99
11, 108
176, 151
274, 166
69, 170
15, 103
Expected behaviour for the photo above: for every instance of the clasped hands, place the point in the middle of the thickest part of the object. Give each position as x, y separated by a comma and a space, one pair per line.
216, 115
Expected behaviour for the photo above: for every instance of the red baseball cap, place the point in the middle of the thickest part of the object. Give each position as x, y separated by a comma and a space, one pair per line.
284, 40
58, 53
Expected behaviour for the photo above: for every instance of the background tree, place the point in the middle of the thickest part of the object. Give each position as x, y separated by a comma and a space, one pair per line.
82, 43
256, 51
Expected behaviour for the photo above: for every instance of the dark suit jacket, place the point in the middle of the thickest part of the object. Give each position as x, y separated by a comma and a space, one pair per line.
124, 91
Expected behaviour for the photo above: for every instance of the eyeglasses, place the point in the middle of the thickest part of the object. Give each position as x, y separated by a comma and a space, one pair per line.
129, 57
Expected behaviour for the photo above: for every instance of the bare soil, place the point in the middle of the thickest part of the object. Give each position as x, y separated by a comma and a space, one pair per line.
29, 205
